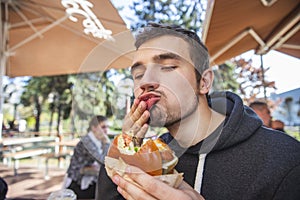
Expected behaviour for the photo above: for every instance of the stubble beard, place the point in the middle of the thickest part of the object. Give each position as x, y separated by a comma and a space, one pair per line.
161, 117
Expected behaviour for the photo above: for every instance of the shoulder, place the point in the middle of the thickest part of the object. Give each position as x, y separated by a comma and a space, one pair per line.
275, 138
80, 148
276, 146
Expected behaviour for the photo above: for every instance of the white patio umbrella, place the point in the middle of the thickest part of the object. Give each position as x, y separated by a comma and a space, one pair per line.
52, 37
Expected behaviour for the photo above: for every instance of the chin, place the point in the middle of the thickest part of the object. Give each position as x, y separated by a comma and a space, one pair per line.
158, 117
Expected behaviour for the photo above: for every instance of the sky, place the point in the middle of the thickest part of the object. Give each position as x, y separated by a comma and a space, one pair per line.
284, 69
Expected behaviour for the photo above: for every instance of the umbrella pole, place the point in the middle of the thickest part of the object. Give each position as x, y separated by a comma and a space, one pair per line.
3, 30
1, 72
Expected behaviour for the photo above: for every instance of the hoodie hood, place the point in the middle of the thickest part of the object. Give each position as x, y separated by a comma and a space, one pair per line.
239, 118
239, 124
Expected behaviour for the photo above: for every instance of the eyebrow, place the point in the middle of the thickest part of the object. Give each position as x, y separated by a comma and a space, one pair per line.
158, 58
166, 56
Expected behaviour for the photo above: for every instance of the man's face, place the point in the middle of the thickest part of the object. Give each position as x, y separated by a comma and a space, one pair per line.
100, 130
265, 114
164, 77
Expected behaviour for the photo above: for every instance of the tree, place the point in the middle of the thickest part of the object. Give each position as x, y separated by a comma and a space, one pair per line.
12, 91
225, 77
189, 14
252, 80
93, 94
36, 92
61, 99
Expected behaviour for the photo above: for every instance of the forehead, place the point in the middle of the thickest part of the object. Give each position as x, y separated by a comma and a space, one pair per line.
163, 44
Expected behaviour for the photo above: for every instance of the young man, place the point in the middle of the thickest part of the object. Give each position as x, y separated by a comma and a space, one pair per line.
223, 149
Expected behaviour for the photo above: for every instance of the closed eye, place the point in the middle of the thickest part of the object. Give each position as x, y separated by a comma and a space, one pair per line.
168, 68
138, 76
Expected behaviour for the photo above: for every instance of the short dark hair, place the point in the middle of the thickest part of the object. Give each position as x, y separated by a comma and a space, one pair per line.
258, 105
96, 120
197, 51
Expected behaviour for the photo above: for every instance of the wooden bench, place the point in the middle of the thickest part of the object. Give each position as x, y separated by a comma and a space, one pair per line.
55, 155
15, 149
28, 153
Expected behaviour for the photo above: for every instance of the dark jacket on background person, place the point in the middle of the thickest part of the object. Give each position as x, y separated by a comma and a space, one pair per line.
86, 153
3, 188
241, 159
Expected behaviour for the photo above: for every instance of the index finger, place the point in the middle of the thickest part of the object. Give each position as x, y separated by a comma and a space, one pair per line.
136, 112
152, 185
134, 106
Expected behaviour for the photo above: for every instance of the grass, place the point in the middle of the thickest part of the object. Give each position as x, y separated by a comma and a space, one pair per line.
293, 131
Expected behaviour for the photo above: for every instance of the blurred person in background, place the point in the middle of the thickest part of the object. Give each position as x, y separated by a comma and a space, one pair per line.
263, 111
278, 125
3, 188
85, 162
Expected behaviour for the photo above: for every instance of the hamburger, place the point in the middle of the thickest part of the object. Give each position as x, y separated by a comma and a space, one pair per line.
152, 156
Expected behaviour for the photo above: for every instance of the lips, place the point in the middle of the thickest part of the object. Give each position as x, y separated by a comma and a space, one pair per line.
150, 99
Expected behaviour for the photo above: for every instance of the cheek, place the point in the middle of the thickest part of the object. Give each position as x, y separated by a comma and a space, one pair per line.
181, 87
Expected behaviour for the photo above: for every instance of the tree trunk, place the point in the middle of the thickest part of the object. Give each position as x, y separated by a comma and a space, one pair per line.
52, 109
51, 122
73, 129
59, 112
38, 114
15, 112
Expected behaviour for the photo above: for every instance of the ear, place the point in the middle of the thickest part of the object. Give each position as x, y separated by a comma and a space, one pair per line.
206, 81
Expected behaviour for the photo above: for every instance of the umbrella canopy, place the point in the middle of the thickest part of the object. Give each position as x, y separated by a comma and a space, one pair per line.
233, 27
53, 37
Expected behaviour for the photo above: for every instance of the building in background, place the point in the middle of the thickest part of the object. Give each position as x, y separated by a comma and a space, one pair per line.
288, 109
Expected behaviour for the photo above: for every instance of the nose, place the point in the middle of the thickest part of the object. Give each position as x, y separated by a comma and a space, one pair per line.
148, 87
150, 80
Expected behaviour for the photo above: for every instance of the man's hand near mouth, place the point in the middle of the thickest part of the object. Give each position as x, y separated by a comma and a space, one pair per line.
135, 122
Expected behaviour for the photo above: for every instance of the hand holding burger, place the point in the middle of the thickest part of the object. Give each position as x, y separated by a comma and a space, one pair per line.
153, 157
130, 148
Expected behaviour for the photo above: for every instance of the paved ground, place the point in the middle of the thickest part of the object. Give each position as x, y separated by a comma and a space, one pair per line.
30, 183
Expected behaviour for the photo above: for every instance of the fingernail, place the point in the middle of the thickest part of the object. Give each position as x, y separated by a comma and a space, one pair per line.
140, 106
146, 114
116, 180
120, 190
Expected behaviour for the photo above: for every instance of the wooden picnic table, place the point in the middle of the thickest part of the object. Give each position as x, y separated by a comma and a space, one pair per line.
14, 149
7, 142
44, 147
65, 143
